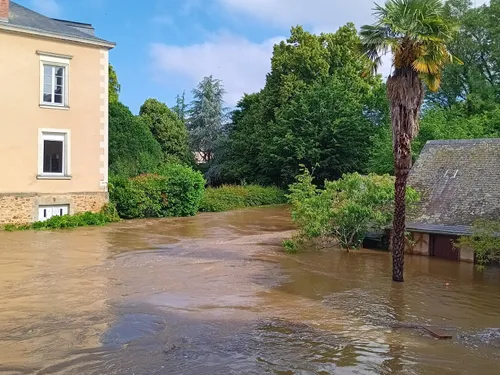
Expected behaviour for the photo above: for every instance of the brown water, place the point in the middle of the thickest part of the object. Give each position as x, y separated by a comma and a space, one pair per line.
215, 294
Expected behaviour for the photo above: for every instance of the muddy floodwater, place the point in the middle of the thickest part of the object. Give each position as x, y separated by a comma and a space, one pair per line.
215, 294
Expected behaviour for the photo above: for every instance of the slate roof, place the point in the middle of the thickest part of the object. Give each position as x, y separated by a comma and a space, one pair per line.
26, 19
459, 182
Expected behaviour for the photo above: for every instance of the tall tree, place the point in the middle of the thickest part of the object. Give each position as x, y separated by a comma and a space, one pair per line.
114, 86
475, 85
180, 108
207, 117
417, 33
168, 130
317, 108
132, 148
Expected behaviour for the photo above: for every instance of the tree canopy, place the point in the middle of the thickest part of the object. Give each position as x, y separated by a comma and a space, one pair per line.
132, 148
168, 130
317, 108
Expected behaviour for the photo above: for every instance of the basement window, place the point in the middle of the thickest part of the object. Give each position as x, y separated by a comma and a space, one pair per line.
46, 212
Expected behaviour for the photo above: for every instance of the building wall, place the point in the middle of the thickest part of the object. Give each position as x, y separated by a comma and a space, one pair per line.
22, 117
422, 247
421, 244
23, 208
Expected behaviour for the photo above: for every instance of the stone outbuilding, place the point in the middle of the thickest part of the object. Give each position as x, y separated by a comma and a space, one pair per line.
459, 183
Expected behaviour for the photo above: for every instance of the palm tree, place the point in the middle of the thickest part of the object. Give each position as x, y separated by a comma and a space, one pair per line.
416, 32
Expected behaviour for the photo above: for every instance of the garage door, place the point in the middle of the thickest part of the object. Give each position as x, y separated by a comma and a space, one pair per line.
442, 247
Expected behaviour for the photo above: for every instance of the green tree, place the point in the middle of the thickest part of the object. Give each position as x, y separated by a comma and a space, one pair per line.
168, 130
324, 128
474, 85
114, 87
417, 33
132, 148
207, 117
180, 108
317, 108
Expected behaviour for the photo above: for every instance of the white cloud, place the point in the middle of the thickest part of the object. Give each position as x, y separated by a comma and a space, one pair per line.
318, 15
241, 64
325, 15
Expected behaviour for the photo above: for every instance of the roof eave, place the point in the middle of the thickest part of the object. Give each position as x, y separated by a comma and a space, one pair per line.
29, 31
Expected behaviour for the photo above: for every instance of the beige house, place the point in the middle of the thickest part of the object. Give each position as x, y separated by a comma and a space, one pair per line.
53, 116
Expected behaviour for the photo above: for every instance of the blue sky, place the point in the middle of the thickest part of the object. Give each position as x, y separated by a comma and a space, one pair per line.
164, 47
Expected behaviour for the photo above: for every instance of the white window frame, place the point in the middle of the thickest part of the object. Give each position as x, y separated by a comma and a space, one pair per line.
63, 135
54, 61
50, 209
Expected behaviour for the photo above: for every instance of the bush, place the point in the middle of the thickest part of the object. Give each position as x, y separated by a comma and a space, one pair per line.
232, 197
175, 190
485, 241
345, 210
132, 147
108, 214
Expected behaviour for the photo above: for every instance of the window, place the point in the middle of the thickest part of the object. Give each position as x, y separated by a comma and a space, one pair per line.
54, 84
54, 153
46, 212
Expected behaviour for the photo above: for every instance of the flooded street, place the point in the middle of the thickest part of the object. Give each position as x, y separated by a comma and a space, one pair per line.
215, 294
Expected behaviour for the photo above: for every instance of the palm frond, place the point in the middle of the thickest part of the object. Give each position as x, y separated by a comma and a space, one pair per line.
416, 32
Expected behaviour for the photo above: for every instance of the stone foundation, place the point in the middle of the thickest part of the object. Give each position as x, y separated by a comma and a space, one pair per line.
22, 208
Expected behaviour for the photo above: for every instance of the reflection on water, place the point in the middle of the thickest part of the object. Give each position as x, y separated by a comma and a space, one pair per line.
215, 294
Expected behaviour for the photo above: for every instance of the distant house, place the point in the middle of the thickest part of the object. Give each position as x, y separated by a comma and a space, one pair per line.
459, 182
54, 116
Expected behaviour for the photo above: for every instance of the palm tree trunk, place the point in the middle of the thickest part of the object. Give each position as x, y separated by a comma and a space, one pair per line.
402, 164
406, 94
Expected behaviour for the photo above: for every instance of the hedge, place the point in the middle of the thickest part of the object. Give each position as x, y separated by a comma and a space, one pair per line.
175, 190
233, 197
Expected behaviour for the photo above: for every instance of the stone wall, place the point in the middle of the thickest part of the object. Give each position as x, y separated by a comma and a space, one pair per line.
23, 208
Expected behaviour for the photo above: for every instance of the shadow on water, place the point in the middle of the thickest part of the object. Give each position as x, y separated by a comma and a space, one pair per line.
215, 294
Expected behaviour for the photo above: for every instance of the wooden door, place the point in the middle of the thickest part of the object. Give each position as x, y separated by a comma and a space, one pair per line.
442, 247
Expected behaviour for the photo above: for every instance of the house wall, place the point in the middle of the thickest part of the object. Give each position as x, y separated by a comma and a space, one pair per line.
421, 244
422, 247
466, 255
22, 117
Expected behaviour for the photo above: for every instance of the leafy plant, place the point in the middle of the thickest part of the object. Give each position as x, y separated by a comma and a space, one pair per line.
132, 148
233, 197
174, 190
484, 241
345, 210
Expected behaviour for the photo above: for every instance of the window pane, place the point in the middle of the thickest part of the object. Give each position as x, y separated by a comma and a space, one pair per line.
47, 70
47, 98
47, 79
58, 90
59, 81
52, 156
59, 72
58, 98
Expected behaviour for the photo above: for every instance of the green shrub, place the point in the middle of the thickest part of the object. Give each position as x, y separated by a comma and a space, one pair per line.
108, 214
345, 210
132, 148
175, 190
232, 197
485, 241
